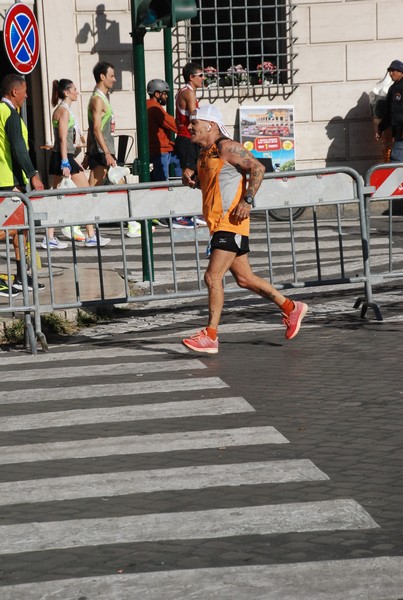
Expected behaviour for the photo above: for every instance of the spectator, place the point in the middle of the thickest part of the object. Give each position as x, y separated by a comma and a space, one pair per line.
393, 117
187, 152
101, 125
62, 162
16, 167
160, 126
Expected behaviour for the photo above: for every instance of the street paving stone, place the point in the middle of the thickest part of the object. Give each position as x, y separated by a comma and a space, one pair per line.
335, 393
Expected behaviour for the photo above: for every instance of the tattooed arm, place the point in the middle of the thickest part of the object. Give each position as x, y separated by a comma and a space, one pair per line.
235, 154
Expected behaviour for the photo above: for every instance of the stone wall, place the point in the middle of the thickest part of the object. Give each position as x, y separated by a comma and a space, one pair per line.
342, 48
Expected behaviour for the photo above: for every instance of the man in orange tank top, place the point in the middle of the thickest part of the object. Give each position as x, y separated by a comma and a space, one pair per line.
228, 195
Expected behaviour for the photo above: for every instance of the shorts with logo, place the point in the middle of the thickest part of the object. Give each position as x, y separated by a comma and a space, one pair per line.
230, 241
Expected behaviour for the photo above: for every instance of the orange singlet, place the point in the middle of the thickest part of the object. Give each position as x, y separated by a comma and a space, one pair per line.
222, 186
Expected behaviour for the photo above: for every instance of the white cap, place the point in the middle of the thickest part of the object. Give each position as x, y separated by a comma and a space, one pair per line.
208, 112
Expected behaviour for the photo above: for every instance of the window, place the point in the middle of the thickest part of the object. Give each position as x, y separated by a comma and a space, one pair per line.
242, 44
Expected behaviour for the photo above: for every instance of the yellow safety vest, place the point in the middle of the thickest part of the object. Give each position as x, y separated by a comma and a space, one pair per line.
6, 163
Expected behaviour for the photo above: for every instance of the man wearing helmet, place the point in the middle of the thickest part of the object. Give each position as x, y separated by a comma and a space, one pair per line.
160, 126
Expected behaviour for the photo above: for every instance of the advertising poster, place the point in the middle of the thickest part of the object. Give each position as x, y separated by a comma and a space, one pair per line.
268, 132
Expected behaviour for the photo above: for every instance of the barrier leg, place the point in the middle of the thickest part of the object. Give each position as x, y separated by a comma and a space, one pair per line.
365, 305
30, 334
43, 341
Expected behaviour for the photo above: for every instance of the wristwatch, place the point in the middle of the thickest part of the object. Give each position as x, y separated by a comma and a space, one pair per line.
248, 200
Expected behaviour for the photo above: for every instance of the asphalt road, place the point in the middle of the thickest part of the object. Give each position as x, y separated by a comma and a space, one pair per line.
130, 468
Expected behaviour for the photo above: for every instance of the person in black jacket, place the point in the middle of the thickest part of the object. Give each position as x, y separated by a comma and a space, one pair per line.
394, 111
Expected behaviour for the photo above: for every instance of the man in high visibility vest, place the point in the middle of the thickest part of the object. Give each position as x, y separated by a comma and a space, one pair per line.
16, 167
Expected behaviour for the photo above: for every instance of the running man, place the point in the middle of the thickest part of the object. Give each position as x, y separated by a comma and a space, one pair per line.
222, 170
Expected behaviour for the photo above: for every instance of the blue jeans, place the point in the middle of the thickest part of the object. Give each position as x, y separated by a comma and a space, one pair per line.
397, 152
161, 164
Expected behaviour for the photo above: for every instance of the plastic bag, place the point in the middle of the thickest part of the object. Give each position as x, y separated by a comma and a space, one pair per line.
117, 174
378, 95
382, 87
66, 182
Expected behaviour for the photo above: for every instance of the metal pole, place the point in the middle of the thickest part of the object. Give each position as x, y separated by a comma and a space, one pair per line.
143, 162
170, 80
169, 68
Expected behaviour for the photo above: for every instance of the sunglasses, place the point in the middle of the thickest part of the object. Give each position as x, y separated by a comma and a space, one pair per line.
198, 75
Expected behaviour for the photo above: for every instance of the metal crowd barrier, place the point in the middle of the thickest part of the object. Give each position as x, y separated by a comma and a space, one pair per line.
384, 182
313, 189
12, 208
339, 190
170, 263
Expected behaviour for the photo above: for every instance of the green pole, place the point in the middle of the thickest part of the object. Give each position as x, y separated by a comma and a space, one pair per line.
169, 78
141, 166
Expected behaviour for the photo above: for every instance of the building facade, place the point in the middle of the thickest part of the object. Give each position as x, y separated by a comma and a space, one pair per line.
325, 56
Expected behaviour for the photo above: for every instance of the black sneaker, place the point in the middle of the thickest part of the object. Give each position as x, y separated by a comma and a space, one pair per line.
18, 284
5, 290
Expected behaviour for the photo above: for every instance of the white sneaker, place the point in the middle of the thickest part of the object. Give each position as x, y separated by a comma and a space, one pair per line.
66, 231
54, 243
200, 221
77, 233
133, 229
91, 242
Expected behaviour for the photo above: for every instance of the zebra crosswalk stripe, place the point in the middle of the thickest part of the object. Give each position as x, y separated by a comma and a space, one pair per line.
139, 444
215, 523
115, 414
102, 370
96, 353
156, 480
355, 579
111, 389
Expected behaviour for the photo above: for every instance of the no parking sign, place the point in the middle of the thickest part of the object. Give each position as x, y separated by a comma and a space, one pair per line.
21, 38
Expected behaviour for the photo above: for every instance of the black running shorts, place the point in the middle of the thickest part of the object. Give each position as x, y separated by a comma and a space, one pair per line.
231, 242
96, 160
55, 161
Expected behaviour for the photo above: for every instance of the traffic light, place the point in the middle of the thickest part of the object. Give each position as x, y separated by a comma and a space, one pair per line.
156, 14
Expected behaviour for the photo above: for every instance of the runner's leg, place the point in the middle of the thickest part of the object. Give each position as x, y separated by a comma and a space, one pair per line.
220, 262
245, 278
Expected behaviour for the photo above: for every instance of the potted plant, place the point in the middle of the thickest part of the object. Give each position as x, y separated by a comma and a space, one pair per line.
210, 77
236, 75
266, 72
